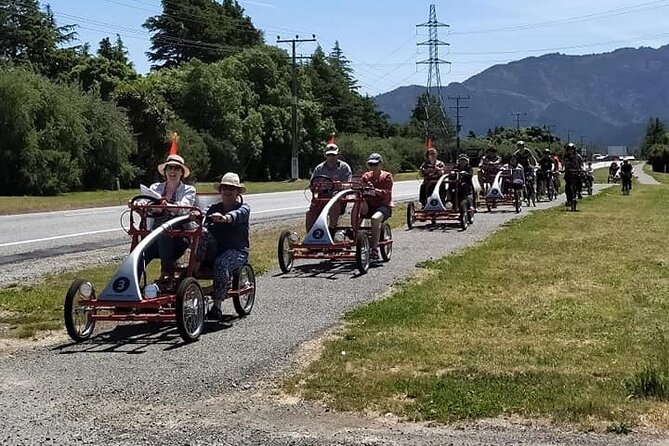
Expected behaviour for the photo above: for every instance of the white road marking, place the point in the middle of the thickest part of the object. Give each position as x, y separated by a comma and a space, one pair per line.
46, 239
77, 214
278, 210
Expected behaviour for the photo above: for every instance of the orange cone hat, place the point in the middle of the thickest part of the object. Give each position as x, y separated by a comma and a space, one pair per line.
173, 145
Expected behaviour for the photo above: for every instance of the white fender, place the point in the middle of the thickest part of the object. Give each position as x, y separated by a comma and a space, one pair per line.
434, 202
495, 191
124, 284
319, 234
476, 183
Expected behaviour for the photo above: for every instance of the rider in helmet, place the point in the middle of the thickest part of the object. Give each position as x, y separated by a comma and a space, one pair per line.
573, 166
525, 156
465, 185
626, 170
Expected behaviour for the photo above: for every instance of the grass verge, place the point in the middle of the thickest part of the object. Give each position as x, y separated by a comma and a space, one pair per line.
24, 310
568, 324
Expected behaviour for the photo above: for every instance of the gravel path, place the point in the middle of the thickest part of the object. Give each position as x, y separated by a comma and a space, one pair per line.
138, 384
642, 176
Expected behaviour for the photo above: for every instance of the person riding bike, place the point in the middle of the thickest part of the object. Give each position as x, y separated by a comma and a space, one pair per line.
613, 170
488, 166
431, 170
573, 166
465, 186
626, 171
529, 162
544, 174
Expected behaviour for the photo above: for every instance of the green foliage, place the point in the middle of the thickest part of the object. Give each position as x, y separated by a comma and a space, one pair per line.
30, 37
429, 120
105, 72
199, 29
57, 138
656, 133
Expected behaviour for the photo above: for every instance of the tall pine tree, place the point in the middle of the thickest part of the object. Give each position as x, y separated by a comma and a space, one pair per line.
202, 29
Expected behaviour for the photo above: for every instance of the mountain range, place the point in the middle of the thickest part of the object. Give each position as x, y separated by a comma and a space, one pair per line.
606, 98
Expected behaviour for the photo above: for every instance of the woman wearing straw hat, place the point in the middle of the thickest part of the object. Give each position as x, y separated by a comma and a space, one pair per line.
228, 224
173, 192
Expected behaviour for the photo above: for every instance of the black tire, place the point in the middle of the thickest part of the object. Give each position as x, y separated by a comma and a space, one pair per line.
574, 200
386, 236
590, 190
362, 252
516, 200
411, 215
284, 253
244, 278
470, 216
463, 220
151, 200
189, 310
72, 305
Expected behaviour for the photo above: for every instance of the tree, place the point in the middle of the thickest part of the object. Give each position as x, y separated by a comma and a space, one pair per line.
57, 139
30, 36
655, 134
105, 72
202, 29
429, 120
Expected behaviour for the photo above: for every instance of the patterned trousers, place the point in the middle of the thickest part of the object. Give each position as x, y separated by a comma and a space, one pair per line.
225, 264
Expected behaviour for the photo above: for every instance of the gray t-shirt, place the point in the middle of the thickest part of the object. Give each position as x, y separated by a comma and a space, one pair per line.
342, 172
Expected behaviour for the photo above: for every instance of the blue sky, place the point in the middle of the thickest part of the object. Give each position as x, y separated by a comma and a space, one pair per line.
379, 37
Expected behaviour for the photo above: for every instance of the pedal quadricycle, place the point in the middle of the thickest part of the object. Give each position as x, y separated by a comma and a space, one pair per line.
182, 299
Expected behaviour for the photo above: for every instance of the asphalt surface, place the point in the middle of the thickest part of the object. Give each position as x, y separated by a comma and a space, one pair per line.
139, 384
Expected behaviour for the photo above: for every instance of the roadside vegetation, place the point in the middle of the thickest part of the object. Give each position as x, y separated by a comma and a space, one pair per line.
559, 315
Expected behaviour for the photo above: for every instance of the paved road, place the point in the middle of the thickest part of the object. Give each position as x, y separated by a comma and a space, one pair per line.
138, 384
38, 235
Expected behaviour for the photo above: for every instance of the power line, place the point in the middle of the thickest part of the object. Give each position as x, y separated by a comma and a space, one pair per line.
570, 20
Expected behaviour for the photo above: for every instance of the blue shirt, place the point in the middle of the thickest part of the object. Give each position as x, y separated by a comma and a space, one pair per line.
234, 235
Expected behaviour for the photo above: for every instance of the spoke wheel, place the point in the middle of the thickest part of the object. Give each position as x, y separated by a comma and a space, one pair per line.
411, 215
362, 252
387, 247
244, 279
285, 253
78, 320
190, 310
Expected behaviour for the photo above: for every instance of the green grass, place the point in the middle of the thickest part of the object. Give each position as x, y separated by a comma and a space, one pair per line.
29, 309
560, 315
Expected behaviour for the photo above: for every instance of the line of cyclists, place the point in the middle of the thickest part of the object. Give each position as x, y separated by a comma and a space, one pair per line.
535, 177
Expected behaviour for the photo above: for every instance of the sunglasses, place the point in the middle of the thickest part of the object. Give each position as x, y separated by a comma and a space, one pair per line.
226, 187
172, 167
372, 164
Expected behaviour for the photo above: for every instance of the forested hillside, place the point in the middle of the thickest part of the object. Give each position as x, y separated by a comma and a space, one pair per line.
78, 117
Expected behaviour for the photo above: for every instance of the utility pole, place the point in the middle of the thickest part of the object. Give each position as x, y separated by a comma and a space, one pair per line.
457, 118
518, 115
294, 160
569, 135
550, 136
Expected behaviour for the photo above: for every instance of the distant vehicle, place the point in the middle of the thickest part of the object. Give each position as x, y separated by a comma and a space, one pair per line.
598, 157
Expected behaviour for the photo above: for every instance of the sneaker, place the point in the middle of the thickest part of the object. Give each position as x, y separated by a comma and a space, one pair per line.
215, 313
374, 255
